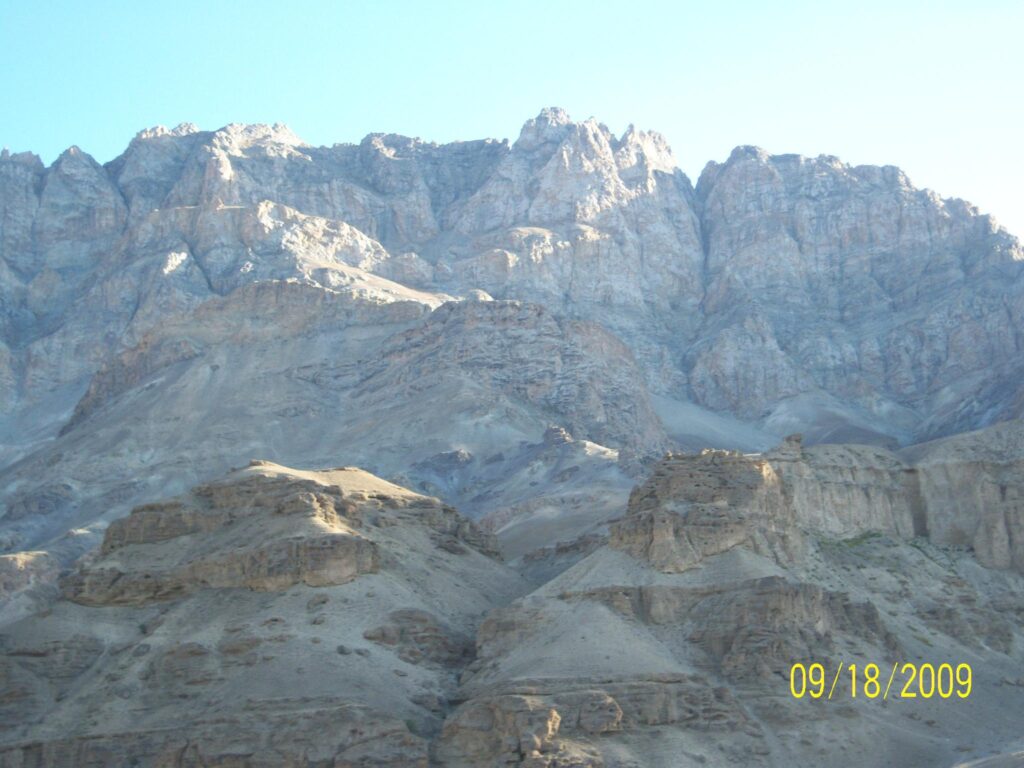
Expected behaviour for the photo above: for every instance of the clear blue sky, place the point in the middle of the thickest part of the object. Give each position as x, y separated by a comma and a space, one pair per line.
935, 87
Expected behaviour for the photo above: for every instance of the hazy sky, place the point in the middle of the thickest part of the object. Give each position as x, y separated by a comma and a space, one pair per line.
935, 88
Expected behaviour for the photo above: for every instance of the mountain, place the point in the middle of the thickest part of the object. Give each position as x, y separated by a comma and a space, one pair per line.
307, 287
701, 431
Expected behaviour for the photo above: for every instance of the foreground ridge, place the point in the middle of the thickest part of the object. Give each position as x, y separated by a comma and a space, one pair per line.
278, 616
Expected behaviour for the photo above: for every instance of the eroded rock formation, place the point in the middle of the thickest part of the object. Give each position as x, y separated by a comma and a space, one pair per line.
779, 294
241, 624
520, 329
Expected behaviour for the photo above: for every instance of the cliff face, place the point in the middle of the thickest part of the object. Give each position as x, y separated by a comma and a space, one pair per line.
850, 280
823, 279
138, 299
961, 492
971, 487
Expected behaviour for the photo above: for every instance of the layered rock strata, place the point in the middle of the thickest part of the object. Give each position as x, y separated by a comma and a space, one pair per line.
779, 294
274, 617
673, 643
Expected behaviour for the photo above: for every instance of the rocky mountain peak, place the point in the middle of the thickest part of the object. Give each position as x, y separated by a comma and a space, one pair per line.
651, 146
748, 152
29, 159
549, 127
159, 131
550, 117
73, 161
72, 152
251, 133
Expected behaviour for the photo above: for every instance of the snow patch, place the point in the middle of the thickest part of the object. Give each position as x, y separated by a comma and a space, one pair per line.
174, 260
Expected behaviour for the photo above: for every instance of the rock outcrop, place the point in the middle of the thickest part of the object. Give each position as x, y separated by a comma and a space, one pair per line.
24, 569
959, 492
693, 507
823, 276
677, 637
274, 617
277, 616
261, 535
970, 485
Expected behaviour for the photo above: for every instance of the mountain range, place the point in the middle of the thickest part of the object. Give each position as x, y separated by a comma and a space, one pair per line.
717, 427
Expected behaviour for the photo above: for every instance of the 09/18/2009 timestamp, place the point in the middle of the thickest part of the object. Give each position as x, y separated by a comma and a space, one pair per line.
903, 681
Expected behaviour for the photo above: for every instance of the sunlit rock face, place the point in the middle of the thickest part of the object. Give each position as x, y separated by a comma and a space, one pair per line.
778, 277
210, 296
849, 279
546, 333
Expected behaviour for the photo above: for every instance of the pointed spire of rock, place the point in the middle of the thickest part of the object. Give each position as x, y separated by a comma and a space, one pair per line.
551, 125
